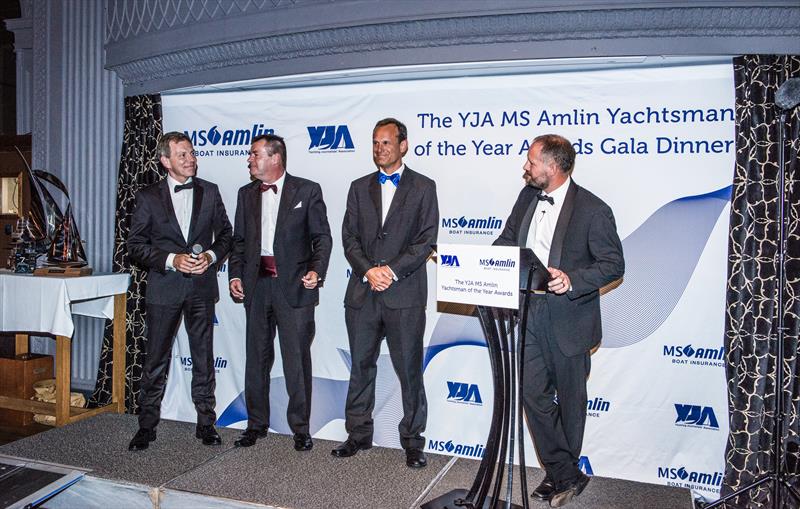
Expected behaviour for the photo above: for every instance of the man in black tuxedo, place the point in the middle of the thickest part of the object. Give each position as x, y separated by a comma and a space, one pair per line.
179, 231
390, 225
574, 231
281, 247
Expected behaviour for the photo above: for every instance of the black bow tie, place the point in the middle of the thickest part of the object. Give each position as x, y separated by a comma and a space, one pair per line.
546, 198
181, 187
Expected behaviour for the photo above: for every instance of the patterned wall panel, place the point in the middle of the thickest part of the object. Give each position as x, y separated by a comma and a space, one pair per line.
77, 131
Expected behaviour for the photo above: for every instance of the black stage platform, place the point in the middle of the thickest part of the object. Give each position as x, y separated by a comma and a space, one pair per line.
178, 472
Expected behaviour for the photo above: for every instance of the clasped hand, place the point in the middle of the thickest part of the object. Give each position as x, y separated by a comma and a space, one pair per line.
380, 278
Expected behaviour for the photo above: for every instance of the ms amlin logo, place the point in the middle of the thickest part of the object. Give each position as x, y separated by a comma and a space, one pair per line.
330, 138
688, 354
220, 137
695, 416
472, 225
464, 393
472, 451
495, 264
683, 478
220, 363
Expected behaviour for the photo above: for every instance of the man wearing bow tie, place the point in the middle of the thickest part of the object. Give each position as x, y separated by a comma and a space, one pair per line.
574, 232
281, 247
170, 218
389, 228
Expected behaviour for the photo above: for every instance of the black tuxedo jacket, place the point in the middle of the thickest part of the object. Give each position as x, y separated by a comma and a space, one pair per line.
585, 246
302, 239
403, 242
155, 233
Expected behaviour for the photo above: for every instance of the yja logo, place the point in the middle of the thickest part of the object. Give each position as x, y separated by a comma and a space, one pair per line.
449, 261
460, 392
696, 416
330, 138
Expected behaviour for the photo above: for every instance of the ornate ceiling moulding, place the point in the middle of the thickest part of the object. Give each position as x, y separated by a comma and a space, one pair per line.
536, 35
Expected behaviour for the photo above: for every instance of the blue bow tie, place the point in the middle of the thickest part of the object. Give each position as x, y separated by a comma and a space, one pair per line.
394, 178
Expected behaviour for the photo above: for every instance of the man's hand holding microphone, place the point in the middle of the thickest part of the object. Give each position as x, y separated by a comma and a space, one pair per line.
197, 262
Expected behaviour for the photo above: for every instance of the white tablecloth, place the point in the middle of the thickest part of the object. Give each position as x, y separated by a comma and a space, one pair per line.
46, 304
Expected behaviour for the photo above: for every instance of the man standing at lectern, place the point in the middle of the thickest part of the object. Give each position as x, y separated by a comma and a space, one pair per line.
179, 231
573, 232
389, 228
281, 247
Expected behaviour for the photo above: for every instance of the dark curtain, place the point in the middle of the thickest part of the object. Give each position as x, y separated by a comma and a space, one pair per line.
138, 168
751, 324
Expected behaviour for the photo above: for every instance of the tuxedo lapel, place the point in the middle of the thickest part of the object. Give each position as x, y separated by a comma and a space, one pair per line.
525, 224
197, 203
561, 226
253, 205
287, 199
166, 202
374, 190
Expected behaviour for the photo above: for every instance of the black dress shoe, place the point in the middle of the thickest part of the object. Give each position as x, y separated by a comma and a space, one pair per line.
303, 442
569, 490
545, 490
415, 458
141, 440
249, 437
208, 434
349, 447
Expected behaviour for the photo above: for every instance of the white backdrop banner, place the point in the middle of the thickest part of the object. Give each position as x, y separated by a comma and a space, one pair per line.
655, 143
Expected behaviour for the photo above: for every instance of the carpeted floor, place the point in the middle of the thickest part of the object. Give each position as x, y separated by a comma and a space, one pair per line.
601, 493
272, 473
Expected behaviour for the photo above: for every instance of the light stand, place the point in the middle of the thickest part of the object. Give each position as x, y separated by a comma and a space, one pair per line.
786, 98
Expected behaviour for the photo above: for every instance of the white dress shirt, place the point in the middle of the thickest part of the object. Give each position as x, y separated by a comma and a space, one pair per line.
269, 216
182, 202
543, 222
387, 192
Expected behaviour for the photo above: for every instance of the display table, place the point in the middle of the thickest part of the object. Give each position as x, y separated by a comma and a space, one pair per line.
31, 305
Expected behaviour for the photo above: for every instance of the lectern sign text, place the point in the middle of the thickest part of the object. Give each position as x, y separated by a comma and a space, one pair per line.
480, 275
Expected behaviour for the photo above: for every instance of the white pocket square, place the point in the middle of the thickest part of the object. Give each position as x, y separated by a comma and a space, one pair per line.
298, 205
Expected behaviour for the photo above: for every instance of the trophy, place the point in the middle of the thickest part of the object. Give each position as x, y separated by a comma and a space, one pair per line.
47, 242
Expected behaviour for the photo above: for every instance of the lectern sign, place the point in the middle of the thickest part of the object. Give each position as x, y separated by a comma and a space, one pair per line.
480, 275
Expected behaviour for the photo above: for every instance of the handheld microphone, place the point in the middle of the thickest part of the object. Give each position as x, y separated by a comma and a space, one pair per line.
197, 249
